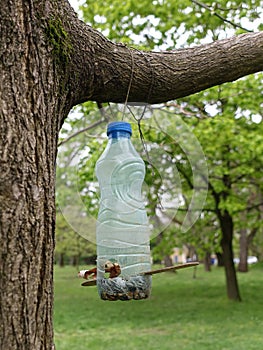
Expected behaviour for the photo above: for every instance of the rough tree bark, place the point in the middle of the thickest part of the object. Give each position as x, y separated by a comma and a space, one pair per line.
49, 62
33, 103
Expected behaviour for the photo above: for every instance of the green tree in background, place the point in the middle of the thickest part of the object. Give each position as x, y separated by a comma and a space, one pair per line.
72, 220
235, 136
70, 245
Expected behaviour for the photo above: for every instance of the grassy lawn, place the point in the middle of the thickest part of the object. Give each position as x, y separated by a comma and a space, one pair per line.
182, 314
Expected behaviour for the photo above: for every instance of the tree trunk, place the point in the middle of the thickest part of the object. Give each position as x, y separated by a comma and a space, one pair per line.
168, 261
31, 110
243, 251
220, 259
75, 260
245, 240
227, 229
61, 260
207, 262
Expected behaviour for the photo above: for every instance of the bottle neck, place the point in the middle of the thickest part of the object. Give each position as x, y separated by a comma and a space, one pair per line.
119, 135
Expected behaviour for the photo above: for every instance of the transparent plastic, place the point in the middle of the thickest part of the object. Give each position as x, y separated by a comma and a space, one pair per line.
122, 231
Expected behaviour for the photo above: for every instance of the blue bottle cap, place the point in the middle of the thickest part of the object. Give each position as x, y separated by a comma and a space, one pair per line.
119, 126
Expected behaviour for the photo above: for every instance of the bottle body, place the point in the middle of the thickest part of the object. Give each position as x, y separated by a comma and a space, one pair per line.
122, 231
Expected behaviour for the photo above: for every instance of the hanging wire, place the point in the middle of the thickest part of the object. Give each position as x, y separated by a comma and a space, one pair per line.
139, 119
111, 111
130, 83
142, 138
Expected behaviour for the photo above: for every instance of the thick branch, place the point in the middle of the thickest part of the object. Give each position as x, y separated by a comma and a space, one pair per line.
101, 70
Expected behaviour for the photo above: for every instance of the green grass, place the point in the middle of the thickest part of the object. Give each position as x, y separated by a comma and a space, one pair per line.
182, 314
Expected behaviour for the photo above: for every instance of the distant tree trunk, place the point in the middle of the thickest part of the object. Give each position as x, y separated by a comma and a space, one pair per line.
75, 260
220, 259
255, 247
168, 261
207, 262
227, 228
61, 260
243, 251
245, 241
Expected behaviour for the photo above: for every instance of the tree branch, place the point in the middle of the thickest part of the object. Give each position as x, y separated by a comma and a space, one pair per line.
101, 70
94, 125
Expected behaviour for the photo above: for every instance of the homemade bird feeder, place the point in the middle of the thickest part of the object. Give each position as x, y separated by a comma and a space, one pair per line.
123, 269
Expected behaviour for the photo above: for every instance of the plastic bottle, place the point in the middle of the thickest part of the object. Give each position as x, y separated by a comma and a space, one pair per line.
122, 231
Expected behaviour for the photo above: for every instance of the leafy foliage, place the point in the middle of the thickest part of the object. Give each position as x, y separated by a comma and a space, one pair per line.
170, 24
226, 120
